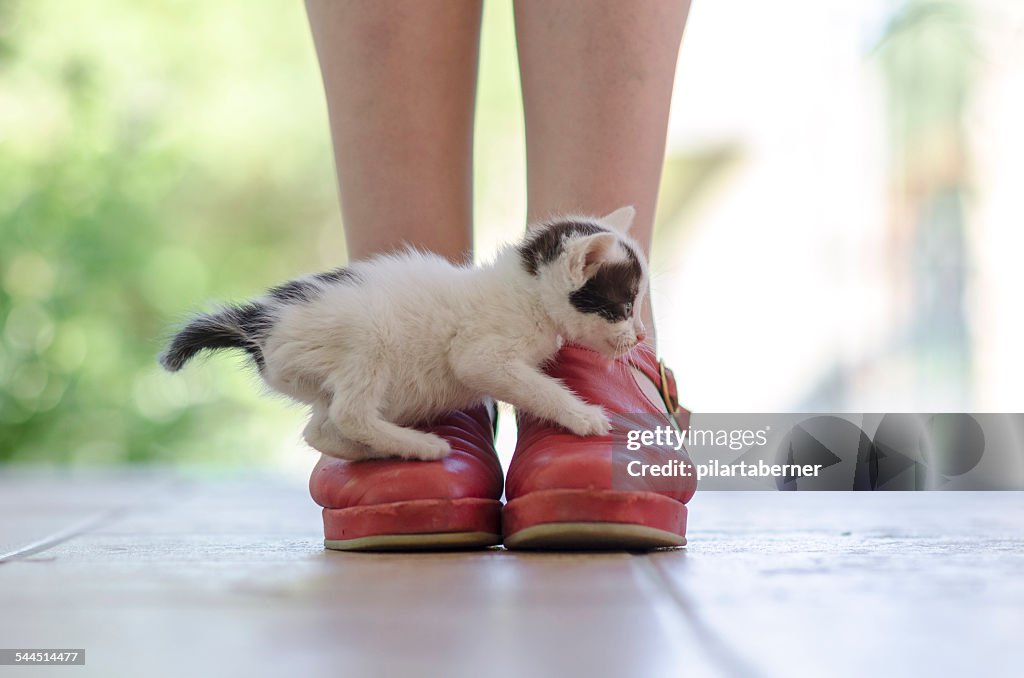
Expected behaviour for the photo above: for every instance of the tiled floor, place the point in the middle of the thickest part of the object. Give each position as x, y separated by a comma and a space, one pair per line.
156, 574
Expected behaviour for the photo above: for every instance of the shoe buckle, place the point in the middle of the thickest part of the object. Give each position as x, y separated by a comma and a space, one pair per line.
671, 399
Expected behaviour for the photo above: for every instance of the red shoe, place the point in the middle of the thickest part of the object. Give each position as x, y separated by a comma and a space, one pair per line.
402, 505
565, 491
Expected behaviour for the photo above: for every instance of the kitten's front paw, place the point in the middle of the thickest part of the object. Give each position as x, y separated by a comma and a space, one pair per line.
587, 420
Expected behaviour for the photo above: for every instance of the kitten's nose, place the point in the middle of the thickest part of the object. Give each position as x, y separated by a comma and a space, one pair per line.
641, 335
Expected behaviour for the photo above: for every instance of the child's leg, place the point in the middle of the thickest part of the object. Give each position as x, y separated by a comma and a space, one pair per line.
400, 79
597, 81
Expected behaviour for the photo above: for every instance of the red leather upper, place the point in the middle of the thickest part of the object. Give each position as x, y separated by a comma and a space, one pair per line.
471, 469
548, 457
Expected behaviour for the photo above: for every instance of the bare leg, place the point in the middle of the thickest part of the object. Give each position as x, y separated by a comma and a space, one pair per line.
400, 79
597, 81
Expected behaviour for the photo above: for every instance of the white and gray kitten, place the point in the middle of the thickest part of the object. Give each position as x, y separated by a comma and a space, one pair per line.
401, 339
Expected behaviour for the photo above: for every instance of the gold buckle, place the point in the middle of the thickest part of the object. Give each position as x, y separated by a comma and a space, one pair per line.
666, 395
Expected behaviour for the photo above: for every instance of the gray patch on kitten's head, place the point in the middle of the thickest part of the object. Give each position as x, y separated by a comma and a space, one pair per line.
612, 289
547, 243
593, 279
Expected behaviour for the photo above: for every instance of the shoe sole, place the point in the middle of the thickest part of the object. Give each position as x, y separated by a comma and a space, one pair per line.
592, 537
437, 541
417, 525
594, 519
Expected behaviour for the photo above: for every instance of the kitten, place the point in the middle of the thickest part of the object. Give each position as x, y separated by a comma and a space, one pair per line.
400, 339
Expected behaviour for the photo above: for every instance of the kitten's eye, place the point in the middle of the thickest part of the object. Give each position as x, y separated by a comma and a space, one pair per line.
629, 308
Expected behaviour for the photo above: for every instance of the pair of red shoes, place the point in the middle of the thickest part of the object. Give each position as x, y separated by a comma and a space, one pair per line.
563, 491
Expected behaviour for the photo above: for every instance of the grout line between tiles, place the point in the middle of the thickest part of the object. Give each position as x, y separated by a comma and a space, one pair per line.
94, 521
721, 653
61, 536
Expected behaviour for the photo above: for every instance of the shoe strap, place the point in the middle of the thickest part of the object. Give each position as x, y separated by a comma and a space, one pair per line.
655, 369
670, 394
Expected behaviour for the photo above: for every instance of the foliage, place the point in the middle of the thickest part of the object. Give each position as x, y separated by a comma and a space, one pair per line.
152, 156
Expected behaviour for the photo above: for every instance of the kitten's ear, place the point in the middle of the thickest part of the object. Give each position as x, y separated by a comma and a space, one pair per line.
585, 254
621, 219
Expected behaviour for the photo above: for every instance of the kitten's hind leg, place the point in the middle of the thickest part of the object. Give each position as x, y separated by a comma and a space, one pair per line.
358, 418
323, 436
384, 439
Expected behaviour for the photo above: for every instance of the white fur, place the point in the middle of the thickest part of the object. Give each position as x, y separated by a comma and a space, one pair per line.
417, 336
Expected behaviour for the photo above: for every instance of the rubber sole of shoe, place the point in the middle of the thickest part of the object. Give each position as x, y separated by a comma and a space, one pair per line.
416, 525
592, 537
437, 541
594, 519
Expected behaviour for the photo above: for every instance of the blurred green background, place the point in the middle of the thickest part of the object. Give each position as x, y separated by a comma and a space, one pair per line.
154, 156
157, 156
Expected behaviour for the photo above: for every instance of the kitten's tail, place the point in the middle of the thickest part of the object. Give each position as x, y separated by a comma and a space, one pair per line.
243, 327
